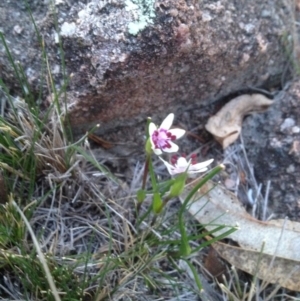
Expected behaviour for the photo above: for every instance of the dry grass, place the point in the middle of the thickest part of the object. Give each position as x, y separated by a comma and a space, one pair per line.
68, 226
81, 218
83, 222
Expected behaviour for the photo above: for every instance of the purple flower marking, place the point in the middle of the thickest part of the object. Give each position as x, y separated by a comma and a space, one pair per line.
162, 138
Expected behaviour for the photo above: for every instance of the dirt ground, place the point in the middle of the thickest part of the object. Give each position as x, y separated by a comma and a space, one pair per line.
272, 141
267, 151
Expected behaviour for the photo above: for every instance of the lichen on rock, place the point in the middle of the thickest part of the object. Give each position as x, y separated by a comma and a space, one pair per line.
144, 13
130, 59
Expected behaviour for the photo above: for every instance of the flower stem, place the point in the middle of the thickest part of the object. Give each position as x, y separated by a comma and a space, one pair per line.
154, 218
165, 201
185, 249
146, 169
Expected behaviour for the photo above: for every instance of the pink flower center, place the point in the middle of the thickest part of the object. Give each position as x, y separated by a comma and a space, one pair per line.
193, 159
174, 159
161, 138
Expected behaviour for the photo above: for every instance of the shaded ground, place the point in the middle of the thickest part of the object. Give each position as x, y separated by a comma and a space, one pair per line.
272, 153
271, 143
269, 150
262, 167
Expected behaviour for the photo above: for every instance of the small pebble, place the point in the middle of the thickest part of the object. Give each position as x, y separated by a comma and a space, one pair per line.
295, 149
18, 29
206, 17
275, 143
287, 123
68, 29
296, 129
266, 13
290, 169
230, 184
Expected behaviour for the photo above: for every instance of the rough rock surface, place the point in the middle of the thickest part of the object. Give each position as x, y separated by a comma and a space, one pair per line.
135, 58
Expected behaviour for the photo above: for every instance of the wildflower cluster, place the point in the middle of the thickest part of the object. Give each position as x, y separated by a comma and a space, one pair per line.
162, 140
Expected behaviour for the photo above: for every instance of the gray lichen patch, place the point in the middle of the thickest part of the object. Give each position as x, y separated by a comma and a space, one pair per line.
144, 13
104, 25
68, 29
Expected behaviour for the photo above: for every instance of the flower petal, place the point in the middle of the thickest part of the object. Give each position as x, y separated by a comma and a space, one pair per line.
183, 163
172, 172
192, 171
178, 133
173, 149
152, 128
169, 166
168, 121
157, 151
200, 167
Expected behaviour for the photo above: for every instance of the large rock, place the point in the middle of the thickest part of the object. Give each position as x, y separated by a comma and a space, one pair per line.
130, 59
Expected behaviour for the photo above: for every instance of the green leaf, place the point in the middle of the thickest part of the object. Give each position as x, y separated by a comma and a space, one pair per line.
148, 147
141, 195
185, 249
178, 186
157, 204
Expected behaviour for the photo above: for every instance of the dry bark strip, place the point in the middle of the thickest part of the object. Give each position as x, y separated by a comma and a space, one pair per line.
226, 125
285, 272
259, 242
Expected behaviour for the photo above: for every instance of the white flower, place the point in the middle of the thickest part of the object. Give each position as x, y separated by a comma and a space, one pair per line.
182, 165
162, 138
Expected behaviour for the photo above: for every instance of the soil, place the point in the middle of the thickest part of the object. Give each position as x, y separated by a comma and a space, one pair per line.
272, 141
267, 151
